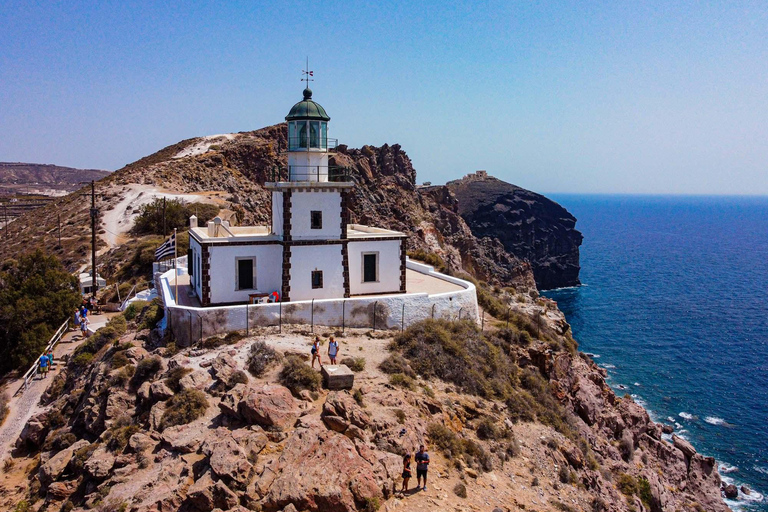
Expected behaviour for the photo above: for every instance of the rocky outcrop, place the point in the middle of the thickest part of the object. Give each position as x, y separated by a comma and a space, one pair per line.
528, 225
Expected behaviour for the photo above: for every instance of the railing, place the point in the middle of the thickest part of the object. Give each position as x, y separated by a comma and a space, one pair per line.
313, 173
32, 372
312, 143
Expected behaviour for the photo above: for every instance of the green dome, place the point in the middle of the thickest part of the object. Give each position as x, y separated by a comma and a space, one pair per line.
307, 109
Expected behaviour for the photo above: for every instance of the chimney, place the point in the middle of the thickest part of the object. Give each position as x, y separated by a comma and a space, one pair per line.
192, 221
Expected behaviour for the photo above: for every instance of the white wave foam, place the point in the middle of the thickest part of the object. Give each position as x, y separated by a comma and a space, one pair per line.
670, 419
686, 415
636, 383
714, 420
608, 366
727, 468
761, 469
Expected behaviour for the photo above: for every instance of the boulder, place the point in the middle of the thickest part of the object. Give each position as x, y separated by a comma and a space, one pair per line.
140, 442
34, 433
230, 402
310, 457
337, 376
223, 368
227, 459
205, 495
684, 446
100, 463
195, 380
156, 415
667, 429
60, 491
184, 438
53, 467
746, 490
270, 406
160, 391
252, 440
341, 403
731, 491
144, 391
119, 403
336, 423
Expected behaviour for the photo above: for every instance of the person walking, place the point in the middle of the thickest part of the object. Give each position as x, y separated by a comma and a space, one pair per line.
406, 472
77, 319
316, 352
333, 349
50, 359
84, 327
44, 366
422, 464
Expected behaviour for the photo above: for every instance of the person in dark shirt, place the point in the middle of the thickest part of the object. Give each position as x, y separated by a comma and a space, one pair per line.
422, 464
406, 471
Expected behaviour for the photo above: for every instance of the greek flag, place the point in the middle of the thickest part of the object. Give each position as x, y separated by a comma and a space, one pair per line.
167, 250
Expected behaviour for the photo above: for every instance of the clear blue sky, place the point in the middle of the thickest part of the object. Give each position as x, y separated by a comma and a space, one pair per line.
629, 97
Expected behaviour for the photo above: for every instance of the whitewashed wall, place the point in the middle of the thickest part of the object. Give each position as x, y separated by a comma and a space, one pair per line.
326, 201
269, 259
305, 259
189, 325
389, 267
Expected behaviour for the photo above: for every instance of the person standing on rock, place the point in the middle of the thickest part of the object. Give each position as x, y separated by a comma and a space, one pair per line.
406, 472
316, 352
422, 464
333, 349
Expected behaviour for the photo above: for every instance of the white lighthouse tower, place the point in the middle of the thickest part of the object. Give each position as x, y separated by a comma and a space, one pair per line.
309, 210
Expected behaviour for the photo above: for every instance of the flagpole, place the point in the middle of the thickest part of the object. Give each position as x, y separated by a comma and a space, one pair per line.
175, 267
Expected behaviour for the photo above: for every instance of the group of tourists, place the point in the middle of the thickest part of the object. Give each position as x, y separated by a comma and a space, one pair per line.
333, 351
45, 363
422, 465
81, 319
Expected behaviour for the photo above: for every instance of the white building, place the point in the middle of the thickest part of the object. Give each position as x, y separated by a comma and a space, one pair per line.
310, 251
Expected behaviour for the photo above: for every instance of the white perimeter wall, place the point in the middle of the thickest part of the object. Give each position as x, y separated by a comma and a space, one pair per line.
189, 325
389, 267
305, 259
269, 262
326, 201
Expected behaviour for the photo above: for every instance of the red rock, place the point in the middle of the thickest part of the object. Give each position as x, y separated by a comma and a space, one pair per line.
270, 405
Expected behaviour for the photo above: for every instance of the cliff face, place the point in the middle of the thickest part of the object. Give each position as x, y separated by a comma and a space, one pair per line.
528, 225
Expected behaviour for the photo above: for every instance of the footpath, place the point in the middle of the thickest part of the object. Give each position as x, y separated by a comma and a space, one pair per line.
27, 403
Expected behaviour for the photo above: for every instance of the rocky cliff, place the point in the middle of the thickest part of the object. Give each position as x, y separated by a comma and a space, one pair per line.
528, 225
24, 177
138, 427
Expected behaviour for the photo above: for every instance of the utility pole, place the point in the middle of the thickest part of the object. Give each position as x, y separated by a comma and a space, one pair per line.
164, 229
59, 216
94, 216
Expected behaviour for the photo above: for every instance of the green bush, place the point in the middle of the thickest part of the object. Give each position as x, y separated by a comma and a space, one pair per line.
356, 364
81, 360
184, 407
119, 359
134, 308
152, 314
119, 436
36, 295
487, 429
429, 258
174, 376
444, 438
146, 369
644, 492
627, 484
122, 377
3, 407
177, 213
115, 328
260, 357
239, 377
296, 375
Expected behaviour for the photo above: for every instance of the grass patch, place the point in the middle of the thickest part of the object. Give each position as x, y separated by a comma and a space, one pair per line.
402, 380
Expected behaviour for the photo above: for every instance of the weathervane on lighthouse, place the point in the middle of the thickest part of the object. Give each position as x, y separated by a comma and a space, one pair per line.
306, 74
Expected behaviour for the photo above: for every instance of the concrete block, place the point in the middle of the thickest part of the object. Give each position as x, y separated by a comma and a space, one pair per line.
337, 376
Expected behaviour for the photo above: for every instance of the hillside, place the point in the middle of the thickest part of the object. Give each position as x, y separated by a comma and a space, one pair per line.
230, 170
513, 418
529, 226
46, 179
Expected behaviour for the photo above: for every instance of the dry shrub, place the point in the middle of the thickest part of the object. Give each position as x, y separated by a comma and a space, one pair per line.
356, 364
174, 377
147, 368
261, 357
402, 380
3, 407
395, 363
296, 375
184, 407
460, 490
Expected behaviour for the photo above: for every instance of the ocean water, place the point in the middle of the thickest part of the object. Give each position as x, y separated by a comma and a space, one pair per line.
675, 306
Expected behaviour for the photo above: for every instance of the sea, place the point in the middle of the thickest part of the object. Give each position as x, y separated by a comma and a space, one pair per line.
674, 305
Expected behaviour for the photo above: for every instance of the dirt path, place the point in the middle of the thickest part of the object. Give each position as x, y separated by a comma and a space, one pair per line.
26, 404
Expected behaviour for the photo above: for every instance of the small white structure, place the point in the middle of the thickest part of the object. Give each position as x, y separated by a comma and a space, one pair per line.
310, 251
86, 283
